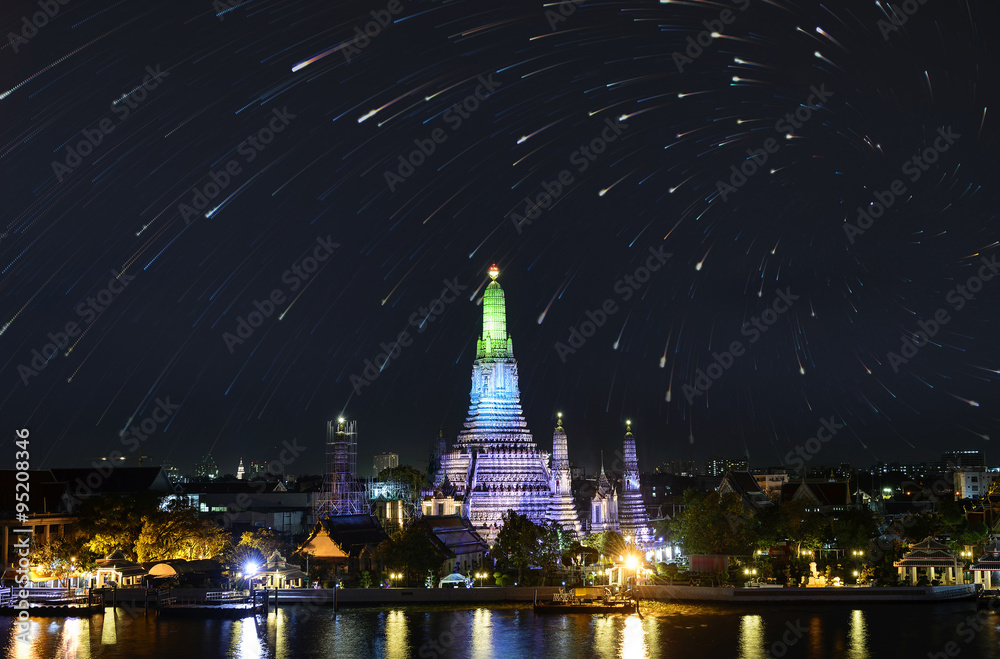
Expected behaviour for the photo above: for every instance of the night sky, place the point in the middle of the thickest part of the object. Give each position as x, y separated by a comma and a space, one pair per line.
204, 154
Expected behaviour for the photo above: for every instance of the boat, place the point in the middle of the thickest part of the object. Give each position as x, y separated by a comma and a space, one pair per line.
588, 600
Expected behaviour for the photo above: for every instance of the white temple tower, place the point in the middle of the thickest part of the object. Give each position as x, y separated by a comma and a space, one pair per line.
561, 507
495, 465
632, 517
604, 505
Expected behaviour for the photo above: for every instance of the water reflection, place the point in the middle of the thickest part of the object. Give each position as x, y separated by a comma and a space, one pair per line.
857, 640
751, 640
109, 628
397, 636
75, 640
482, 634
634, 639
246, 644
604, 636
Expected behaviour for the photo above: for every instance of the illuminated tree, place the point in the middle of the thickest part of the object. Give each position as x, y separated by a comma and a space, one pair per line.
178, 532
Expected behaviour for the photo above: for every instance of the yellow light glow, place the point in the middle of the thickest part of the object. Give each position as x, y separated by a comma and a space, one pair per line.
632, 562
494, 271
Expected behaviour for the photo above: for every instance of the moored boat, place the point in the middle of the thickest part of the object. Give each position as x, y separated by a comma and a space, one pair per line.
588, 600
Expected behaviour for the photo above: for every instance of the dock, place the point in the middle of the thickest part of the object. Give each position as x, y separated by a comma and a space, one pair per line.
72, 602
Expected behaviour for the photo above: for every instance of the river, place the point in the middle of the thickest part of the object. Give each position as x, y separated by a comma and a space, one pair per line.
668, 630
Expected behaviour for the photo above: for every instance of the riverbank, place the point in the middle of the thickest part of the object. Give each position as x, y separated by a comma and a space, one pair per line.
380, 597
828, 595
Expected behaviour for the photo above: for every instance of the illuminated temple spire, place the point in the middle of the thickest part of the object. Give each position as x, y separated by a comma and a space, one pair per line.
495, 464
494, 343
561, 507
632, 517
495, 418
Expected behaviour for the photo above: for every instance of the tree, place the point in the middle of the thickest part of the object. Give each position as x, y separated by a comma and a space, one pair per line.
115, 522
412, 551
714, 524
855, 529
59, 557
266, 541
917, 527
404, 475
793, 521
607, 543
176, 531
552, 544
971, 533
951, 511
515, 543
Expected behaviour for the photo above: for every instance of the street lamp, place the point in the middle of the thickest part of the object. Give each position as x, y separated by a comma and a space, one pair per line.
250, 570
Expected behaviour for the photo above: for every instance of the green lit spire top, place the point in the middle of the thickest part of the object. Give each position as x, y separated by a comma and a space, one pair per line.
494, 342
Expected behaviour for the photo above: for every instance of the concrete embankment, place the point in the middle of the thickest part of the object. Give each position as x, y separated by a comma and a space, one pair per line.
362, 596
846, 594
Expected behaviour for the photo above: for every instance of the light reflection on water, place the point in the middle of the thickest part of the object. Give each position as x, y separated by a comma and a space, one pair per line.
667, 630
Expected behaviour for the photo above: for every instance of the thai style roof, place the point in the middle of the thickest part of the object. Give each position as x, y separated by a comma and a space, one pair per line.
990, 560
824, 493
928, 553
120, 480
339, 536
744, 484
353, 532
457, 535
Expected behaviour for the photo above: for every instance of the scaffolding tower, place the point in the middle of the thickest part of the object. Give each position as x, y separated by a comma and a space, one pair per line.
392, 501
342, 494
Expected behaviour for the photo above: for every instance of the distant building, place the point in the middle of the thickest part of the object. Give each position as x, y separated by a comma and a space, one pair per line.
716, 466
239, 470
770, 483
678, 468
960, 460
973, 483
826, 496
384, 461
206, 468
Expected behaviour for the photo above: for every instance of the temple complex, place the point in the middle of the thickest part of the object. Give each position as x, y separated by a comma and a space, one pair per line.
495, 465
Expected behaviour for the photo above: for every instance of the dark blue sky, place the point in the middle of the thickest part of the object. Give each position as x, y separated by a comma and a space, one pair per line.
171, 168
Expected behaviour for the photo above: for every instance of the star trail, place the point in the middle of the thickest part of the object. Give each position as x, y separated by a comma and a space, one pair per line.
245, 206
